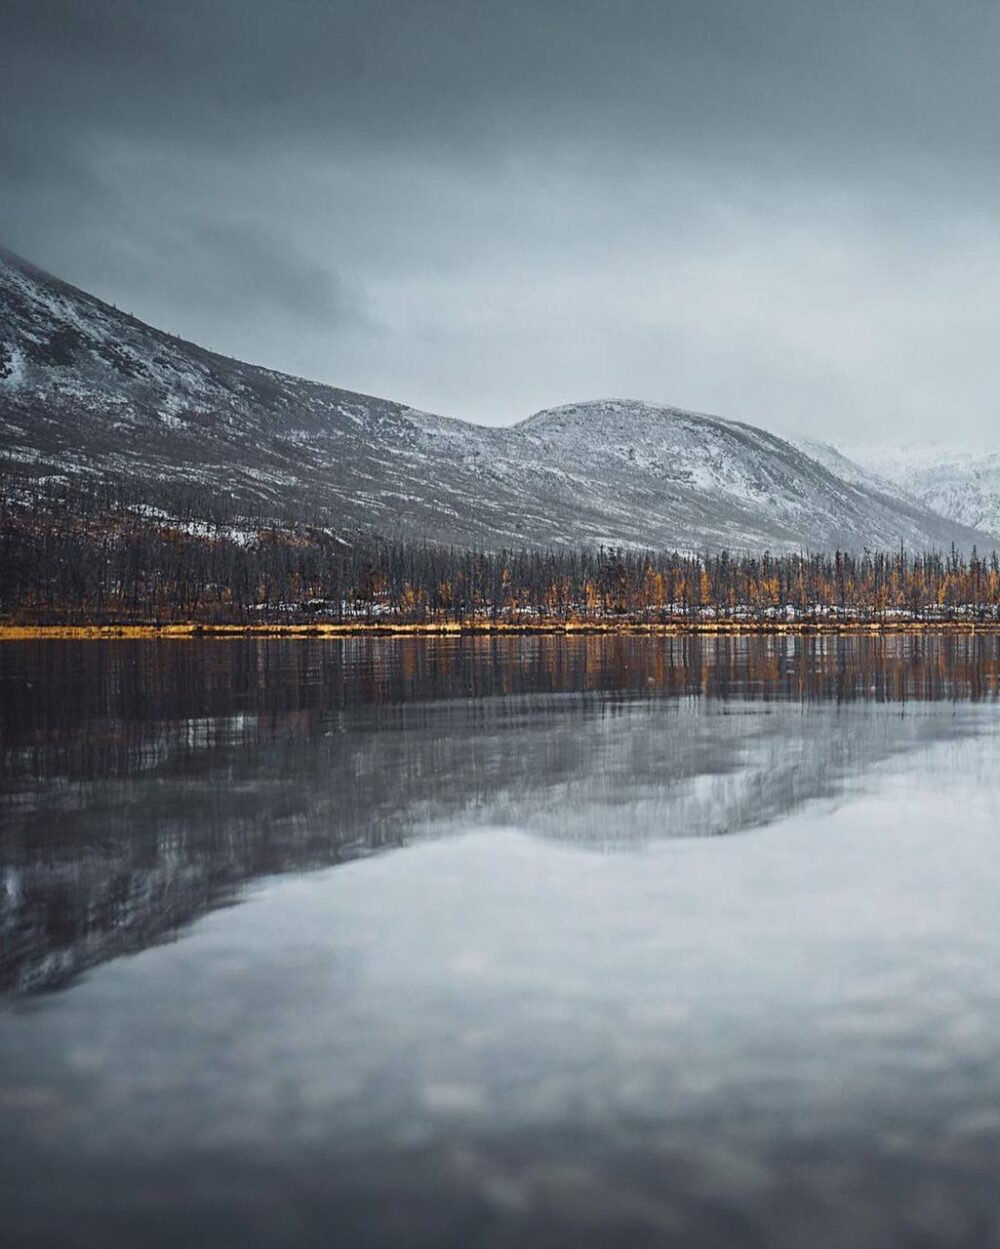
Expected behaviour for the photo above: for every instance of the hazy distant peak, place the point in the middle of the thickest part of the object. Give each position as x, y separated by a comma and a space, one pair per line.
961, 482
842, 466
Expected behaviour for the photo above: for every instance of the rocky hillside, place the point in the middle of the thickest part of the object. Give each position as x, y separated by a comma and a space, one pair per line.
88, 391
962, 484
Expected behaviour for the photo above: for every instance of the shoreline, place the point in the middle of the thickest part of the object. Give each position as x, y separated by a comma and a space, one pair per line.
541, 628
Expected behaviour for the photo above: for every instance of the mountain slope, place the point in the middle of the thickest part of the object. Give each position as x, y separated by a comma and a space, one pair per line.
713, 483
962, 484
88, 391
840, 465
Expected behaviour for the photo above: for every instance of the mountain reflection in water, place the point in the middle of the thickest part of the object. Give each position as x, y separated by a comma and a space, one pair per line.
445, 943
146, 783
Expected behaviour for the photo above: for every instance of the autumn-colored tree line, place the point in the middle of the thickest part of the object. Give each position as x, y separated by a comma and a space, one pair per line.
67, 563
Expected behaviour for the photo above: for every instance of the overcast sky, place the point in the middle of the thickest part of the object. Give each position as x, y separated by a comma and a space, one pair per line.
782, 211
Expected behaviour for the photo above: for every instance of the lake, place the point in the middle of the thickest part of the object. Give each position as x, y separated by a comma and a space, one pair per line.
500, 942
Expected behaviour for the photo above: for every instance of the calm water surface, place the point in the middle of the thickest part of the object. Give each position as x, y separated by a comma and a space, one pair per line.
615, 942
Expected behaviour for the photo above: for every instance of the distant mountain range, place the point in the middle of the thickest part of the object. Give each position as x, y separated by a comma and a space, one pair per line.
89, 392
961, 483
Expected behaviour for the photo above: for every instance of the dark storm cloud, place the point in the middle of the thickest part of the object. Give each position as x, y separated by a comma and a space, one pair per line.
782, 209
682, 75
238, 264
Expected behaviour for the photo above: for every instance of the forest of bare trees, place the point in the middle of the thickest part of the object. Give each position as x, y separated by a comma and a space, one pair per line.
97, 557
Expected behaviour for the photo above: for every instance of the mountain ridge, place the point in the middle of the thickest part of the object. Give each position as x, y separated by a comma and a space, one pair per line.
960, 482
89, 392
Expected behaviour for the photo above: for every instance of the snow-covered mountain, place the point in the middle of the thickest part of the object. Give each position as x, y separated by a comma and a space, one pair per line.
840, 465
960, 483
86, 390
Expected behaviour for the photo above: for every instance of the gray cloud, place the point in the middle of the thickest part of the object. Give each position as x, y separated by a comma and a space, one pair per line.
782, 210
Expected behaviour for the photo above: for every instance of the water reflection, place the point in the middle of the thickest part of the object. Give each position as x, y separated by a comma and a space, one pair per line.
146, 783
570, 1011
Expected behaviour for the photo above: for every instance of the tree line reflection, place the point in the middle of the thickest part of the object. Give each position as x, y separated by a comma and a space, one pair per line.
146, 783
